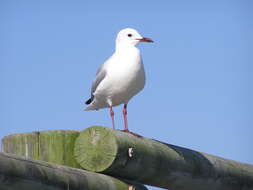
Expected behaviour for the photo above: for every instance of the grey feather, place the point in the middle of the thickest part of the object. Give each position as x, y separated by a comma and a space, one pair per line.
101, 73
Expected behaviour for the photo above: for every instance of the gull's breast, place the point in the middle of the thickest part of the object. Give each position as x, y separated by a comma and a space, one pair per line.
126, 79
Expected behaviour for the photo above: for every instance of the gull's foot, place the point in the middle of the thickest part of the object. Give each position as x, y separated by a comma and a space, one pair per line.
135, 134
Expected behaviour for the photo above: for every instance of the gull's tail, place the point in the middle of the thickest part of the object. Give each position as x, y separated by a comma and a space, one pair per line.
89, 108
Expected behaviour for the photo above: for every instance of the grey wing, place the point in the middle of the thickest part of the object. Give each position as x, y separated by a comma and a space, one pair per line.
101, 73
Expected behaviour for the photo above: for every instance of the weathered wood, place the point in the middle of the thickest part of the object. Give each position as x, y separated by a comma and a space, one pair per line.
155, 163
19, 173
54, 146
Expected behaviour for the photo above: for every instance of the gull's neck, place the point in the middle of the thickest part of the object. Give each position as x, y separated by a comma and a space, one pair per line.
124, 47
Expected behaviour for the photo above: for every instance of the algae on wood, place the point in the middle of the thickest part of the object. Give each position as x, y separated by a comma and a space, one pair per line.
19, 173
54, 146
155, 163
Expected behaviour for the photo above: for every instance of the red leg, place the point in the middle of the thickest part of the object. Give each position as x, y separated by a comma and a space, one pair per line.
126, 123
125, 118
112, 116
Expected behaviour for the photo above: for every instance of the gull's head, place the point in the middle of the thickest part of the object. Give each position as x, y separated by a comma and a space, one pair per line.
129, 36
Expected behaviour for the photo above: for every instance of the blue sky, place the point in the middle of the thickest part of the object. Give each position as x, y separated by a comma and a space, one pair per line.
199, 70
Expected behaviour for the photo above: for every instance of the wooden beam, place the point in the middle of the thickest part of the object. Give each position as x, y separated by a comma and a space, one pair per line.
55, 146
19, 173
159, 164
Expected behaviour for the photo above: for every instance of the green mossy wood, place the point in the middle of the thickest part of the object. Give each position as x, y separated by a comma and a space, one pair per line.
155, 163
54, 146
19, 173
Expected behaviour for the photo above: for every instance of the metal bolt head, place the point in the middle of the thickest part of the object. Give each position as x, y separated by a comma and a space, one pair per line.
130, 152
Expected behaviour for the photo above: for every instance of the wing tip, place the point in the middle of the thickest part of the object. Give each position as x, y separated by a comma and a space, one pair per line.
88, 101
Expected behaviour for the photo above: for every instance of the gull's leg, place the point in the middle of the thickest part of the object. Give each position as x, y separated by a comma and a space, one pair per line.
112, 116
125, 118
126, 123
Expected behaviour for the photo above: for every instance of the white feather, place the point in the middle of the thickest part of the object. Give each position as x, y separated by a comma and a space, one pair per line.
124, 77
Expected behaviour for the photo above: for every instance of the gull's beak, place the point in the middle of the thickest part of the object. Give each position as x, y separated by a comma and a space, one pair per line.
144, 39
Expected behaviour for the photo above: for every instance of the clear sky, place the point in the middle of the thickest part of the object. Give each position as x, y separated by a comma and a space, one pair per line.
199, 90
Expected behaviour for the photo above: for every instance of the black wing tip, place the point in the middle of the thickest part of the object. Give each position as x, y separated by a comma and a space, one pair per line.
89, 101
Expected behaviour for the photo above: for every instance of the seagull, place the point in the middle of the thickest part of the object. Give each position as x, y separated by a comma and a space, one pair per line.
120, 77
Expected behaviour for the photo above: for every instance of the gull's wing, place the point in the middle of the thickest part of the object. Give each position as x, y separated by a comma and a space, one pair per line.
100, 75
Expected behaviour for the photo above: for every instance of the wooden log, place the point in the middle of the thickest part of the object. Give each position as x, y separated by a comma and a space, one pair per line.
19, 173
155, 163
55, 146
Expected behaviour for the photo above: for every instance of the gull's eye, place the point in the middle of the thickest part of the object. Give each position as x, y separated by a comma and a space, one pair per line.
129, 35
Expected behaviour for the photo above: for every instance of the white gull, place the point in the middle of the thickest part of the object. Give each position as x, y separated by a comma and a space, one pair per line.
120, 77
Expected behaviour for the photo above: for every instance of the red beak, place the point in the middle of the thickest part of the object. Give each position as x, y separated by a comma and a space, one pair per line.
144, 39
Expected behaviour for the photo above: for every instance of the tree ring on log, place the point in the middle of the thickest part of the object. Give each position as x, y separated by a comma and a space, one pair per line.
95, 149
